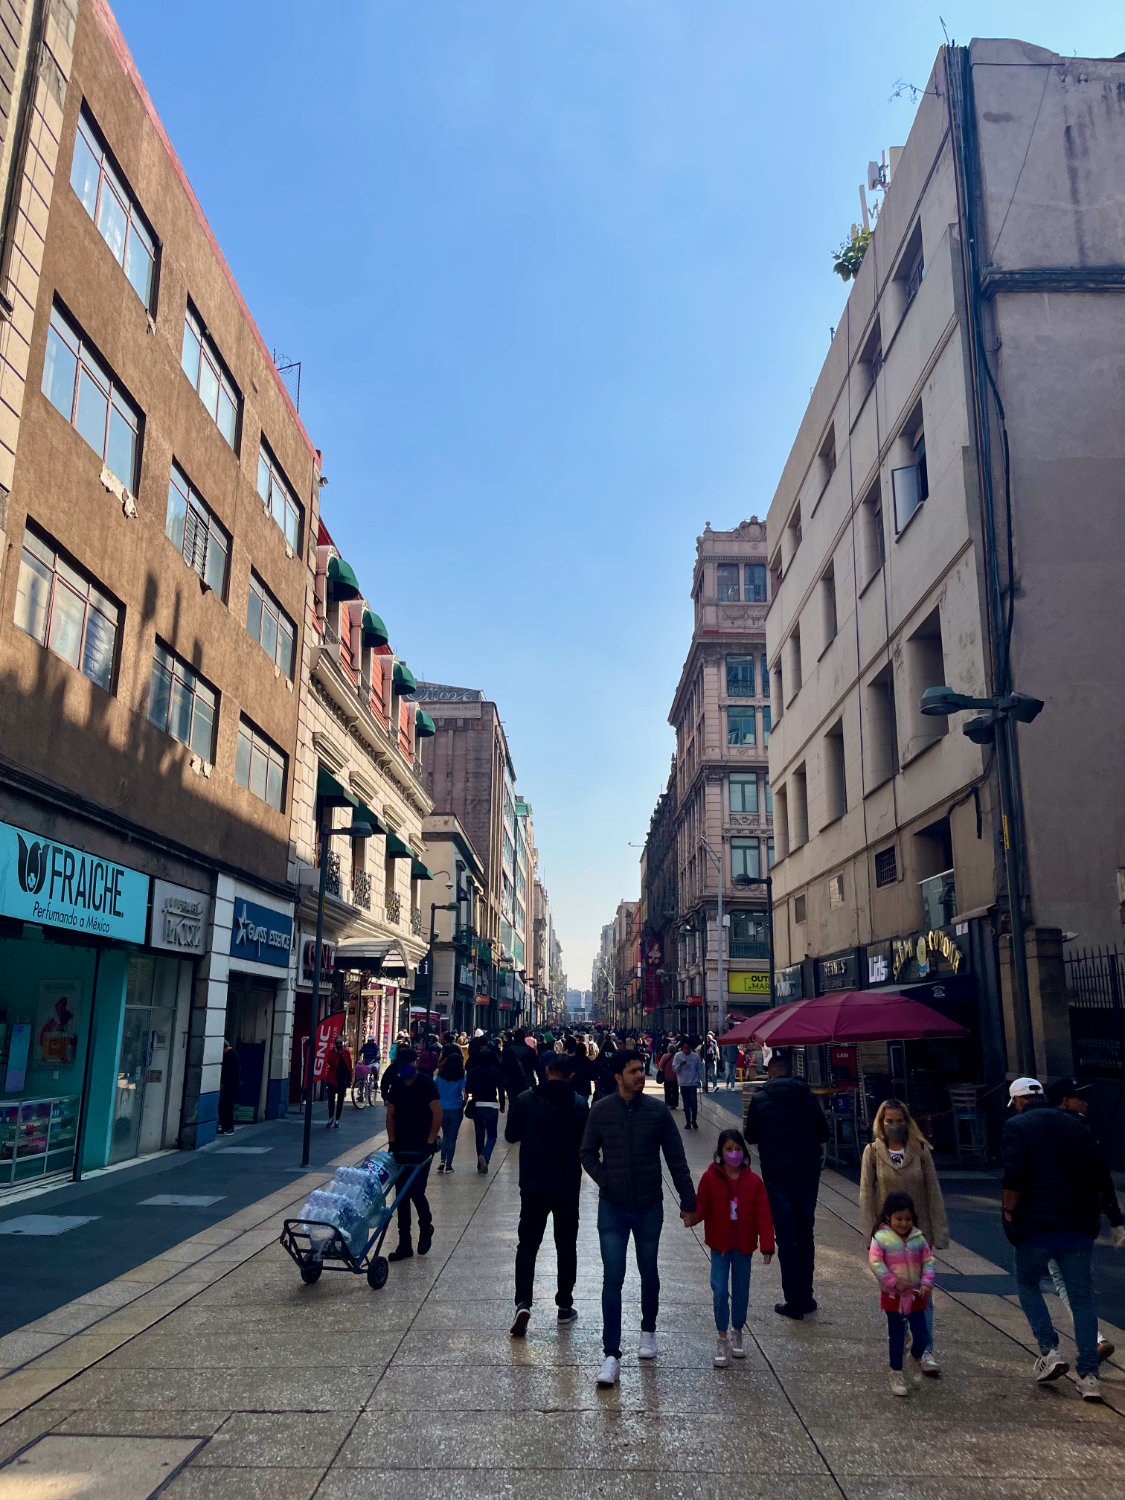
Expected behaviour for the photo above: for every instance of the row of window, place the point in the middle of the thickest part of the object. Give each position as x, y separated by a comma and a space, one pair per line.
63, 609
751, 577
82, 388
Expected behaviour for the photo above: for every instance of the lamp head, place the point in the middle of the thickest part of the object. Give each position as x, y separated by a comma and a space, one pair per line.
360, 830
940, 702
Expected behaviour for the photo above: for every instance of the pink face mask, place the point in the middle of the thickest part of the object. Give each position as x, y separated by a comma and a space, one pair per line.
733, 1158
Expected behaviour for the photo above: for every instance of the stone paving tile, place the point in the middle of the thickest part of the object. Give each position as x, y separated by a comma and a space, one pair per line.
585, 1484
99, 1468
199, 1482
16, 1348
24, 1428
1022, 1487
576, 1346
318, 1388
266, 1439
120, 1421
260, 1349
1062, 1450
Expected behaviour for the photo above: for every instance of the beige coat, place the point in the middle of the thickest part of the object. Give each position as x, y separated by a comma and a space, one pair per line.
917, 1176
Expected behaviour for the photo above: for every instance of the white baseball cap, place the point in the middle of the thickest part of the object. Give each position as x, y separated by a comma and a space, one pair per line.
1024, 1088
478, 1032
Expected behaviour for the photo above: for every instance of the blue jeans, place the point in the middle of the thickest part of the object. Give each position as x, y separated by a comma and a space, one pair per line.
1073, 1253
485, 1123
450, 1125
614, 1228
896, 1335
730, 1267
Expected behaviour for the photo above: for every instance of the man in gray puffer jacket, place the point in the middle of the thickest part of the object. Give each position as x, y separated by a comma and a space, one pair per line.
621, 1149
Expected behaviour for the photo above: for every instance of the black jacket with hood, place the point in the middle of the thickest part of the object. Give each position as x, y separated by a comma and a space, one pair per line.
788, 1127
548, 1122
1053, 1162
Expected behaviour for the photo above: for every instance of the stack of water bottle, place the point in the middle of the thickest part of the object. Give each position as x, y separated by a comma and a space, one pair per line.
355, 1202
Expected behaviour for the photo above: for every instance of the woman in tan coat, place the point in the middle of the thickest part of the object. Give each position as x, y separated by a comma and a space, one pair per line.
899, 1160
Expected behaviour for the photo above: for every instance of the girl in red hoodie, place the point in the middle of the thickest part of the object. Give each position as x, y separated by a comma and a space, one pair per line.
735, 1212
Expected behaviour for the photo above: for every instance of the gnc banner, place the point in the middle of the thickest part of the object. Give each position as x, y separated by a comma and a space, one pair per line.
326, 1033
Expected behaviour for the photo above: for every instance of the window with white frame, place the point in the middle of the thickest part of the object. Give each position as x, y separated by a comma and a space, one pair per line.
107, 199
270, 626
743, 794
182, 703
259, 765
745, 859
62, 608
197, 534
277, 496
203, 365
740, 726
80, 386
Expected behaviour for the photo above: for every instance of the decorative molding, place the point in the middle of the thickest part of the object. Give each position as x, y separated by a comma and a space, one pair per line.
328, 751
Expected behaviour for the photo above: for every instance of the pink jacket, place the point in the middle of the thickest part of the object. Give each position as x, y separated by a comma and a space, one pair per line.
892, 1259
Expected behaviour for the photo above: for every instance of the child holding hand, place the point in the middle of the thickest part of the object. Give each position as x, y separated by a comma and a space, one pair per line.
903, 1265
734, 1209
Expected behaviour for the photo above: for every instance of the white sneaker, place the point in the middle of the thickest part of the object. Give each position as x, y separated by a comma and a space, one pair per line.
737, 1347
647, 1349
1050, 1366
610, 1373
1089, 1388
722, 1356
930, 1364
899, 1386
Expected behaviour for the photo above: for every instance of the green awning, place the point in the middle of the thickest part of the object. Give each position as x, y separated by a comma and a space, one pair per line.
331, 792
418, 871
342, 582
404, 679
374, 631
363, 814
396, 849
424, 726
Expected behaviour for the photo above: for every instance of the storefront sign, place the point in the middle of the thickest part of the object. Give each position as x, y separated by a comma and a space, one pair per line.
694, 1000
748, 984
925, 955
308, 960
878, 963
44, 881
839, 973
789, 984
179, 918
261, 934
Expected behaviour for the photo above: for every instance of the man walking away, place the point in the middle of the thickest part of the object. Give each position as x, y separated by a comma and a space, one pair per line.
413, 1122
484, 1089
518, 1062
688, 1066
230, 1076
1053, 1176
730, 1065
789, 1128
549, 1123
621, 1149
667, 1073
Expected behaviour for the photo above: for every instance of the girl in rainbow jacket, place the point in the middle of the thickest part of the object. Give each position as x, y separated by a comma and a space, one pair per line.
903, 1264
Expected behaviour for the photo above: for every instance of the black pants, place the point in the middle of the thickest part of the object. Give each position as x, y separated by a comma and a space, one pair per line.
793, 1206
691, 1103
535, 1210
336, 1092
417, 1196
226, 1109
671, 1093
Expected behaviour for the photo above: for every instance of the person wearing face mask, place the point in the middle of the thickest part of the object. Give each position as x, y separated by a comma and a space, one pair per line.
899, 1160
734, 1208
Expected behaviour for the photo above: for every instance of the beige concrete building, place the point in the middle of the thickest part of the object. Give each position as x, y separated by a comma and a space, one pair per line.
458, 883
976, 367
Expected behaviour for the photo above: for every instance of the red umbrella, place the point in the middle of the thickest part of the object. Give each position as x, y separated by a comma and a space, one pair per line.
741, 1033
848, 1017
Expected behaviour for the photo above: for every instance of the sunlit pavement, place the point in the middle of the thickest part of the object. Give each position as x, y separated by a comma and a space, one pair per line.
213, 1371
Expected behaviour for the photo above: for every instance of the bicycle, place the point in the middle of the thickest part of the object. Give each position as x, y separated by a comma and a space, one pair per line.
365, 1086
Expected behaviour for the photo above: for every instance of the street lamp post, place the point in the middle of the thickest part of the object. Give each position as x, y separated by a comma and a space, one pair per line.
358, 830
996, 726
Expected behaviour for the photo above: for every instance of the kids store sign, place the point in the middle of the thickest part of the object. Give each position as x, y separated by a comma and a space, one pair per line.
44, 881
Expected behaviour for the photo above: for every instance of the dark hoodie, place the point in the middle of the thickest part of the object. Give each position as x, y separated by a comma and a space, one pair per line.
548, 1122
789, 1127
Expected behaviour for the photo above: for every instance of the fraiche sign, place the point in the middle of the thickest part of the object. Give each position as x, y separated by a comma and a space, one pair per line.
44, 881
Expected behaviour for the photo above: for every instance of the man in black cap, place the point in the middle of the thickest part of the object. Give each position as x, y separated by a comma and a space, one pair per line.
1067, 1093
548, 1123
413, 1123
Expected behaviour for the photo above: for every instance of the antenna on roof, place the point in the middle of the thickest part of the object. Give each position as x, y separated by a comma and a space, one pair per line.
286, 366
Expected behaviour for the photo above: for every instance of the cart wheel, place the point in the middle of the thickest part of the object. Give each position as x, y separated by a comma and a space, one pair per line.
377, 1272
309, 1274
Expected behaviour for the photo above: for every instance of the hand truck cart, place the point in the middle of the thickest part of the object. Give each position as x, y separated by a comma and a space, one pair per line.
316, 1245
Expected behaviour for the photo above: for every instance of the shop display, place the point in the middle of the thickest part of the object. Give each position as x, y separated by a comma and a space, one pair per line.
37, 1137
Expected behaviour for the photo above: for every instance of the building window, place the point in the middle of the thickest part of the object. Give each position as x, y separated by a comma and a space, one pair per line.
835, 781
270, 626
740, 726
925, 667
203, 366
745, 859
881, 743
794, 531
766, 725
277, 497
749, 935
259, 765
195, 532
872, 536
726, 583
799, 808
828, 457
182, 703
769, 854
80, 386
743, 794
113, 208
740, 676
799, 908
828, 603
886, 867
755, 583
913, 266
63, 609
795, 673
911, 485
769, 798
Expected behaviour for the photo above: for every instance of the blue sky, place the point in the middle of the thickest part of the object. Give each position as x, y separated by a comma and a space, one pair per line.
560, 278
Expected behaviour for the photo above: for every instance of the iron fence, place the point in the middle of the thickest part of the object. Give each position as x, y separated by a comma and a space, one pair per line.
1095, 982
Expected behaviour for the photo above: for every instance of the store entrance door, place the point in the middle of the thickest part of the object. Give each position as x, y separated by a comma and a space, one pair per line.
250, 1006
145, 1115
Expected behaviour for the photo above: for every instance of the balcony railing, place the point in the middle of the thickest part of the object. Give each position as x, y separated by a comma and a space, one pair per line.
416, 921
361, 889
741, 948
333, 884
394, 907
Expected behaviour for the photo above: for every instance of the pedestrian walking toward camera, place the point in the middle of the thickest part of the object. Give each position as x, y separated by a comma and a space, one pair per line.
548, 1122
340, 1073
903, 1265
1052, 1202
230, 1077
734, 1208
450, 1083
688, 1067
484, 1088
413, 1123
621, 1150
899, 1160
788, 1126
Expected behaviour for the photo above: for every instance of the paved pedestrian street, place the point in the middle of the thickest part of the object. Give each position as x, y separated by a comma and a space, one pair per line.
213, 1371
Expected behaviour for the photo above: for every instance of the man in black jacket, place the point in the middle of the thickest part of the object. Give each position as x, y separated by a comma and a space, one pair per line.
625, 1135
548, 1122
789, 1128
1052, 1202
518, 1064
